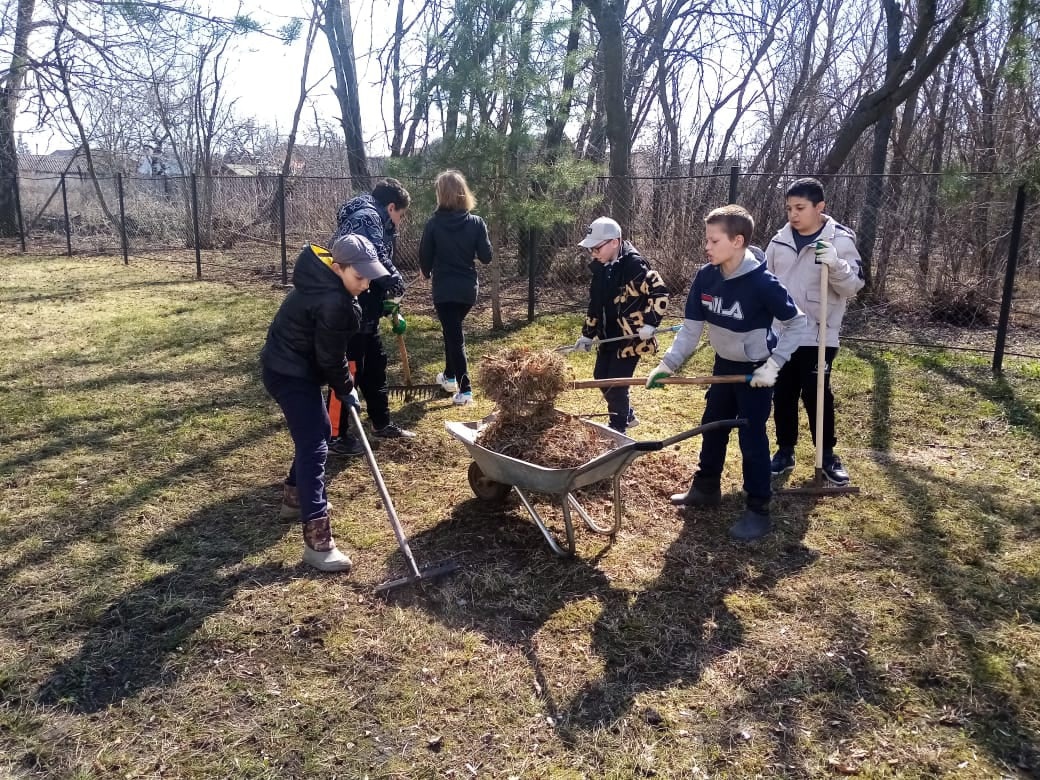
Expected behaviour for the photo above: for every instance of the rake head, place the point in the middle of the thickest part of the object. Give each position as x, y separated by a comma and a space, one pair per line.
415, 392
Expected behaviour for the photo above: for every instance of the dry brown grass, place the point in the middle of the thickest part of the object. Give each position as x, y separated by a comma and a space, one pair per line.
156, 621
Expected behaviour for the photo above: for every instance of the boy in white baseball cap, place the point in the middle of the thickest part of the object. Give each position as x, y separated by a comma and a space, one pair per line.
626, 298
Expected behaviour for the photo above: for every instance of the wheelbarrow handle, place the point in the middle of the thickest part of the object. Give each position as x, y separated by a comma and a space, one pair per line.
705, 428
624, 381
597, 342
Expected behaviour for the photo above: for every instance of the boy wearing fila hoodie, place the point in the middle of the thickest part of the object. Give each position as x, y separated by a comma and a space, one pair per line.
794, 255
739, 300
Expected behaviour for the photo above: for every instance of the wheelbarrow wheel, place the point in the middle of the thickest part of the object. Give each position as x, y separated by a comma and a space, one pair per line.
485, 488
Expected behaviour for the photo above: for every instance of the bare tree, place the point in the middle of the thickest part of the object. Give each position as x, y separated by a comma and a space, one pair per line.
340, 35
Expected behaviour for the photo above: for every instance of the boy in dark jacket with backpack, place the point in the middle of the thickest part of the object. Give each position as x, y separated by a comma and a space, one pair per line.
626, 298
305, 349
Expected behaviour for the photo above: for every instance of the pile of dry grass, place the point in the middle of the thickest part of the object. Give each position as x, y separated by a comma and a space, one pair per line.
525, 383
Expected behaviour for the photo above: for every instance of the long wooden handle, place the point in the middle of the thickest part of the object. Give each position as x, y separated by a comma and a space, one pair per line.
624, 381
405, 370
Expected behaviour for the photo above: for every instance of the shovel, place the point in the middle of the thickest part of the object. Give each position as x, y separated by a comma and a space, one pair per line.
415, 575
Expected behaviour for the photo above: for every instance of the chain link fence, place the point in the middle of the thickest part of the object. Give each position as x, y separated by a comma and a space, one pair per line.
935, 247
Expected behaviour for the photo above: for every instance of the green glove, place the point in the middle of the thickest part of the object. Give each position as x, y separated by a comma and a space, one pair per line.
397, 324
391, 306
659, 373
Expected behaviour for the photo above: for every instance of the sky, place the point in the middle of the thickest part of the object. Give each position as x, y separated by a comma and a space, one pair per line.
264, 74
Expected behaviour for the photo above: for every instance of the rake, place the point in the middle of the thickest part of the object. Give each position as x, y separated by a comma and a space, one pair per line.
596, 342
408, 391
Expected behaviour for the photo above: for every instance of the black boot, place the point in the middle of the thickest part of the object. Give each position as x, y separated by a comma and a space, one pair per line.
703, 494
753, 523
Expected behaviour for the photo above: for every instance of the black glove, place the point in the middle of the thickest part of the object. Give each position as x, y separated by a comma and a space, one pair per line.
391, 286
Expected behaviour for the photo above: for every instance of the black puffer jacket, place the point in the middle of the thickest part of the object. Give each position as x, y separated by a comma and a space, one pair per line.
451, 242
308, 336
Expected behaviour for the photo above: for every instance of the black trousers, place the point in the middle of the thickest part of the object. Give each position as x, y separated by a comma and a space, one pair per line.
609, 366
451, 316
797, 379
369, 358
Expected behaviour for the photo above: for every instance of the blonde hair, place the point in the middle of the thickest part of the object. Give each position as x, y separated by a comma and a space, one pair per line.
453, 193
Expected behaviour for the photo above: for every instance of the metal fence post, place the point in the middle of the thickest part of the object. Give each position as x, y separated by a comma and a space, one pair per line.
122, 220
18, 212
1009, 280
195, 224
68, 222
281, 225
734, 173
532, 261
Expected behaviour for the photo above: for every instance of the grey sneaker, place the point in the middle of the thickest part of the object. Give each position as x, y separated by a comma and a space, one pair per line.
391, 431
346, 445
834, 471
782, 462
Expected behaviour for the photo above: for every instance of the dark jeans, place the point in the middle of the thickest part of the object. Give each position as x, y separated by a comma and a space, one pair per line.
366, 351
798, 379
451, 316
726, 402
303, 405
609, 366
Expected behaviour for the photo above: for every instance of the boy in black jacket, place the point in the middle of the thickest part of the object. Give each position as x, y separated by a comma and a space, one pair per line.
305, 349
626, 298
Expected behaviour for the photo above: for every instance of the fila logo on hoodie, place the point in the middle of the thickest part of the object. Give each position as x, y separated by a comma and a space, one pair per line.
716, 305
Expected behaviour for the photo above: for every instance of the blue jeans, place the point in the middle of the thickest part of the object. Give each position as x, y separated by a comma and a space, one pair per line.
303, 405
726, 402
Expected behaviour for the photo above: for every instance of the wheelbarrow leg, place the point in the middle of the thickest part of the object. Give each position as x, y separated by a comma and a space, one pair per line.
553, 543
591, 524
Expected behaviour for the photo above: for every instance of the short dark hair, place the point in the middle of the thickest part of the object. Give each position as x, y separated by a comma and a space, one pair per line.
389, 191
734, 219
808, 188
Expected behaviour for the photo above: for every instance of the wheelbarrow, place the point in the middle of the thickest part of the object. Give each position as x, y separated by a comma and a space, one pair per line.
493, 475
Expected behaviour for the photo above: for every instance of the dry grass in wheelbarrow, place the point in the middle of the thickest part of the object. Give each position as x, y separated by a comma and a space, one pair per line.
525, 384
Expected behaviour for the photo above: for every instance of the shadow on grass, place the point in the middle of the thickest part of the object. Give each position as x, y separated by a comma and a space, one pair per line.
648, 640
134, 643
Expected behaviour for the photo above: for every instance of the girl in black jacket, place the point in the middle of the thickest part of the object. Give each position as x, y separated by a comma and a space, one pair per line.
451, 242
305, 349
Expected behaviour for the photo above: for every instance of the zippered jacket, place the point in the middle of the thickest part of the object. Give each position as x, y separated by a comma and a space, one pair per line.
623, 297
800, 274
309, 334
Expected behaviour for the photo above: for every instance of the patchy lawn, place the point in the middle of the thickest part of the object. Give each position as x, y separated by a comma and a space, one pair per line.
156, 621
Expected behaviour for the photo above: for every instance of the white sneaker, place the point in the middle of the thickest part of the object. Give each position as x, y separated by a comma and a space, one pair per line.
462, 399
448, 385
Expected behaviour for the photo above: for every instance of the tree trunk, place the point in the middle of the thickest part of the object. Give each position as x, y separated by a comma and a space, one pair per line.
932, 204
10, 96
340, 34
609, 15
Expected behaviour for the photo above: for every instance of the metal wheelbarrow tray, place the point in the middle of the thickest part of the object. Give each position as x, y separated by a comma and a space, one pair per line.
492, 475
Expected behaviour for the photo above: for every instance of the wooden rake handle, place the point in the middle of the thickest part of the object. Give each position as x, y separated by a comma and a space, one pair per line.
723, 379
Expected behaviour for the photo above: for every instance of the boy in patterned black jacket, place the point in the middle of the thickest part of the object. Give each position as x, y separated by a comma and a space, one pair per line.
626, 298
738, 299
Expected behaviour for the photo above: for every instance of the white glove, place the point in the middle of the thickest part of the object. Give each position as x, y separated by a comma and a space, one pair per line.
765, 375
826, 254
583, 344
656, 375
646, 332
353, 400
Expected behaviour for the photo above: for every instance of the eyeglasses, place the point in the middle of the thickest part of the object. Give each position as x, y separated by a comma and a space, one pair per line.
594, 249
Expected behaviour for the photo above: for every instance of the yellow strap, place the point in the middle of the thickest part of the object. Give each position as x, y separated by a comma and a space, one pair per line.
322, 254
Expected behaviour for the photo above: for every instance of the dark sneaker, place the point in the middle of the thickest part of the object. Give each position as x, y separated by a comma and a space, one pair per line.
782, 462
750, 525
346, 445
695, 497
834, 471
392, 431
633, 421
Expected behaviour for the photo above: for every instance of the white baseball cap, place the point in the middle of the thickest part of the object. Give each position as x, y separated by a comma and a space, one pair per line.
602, 229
